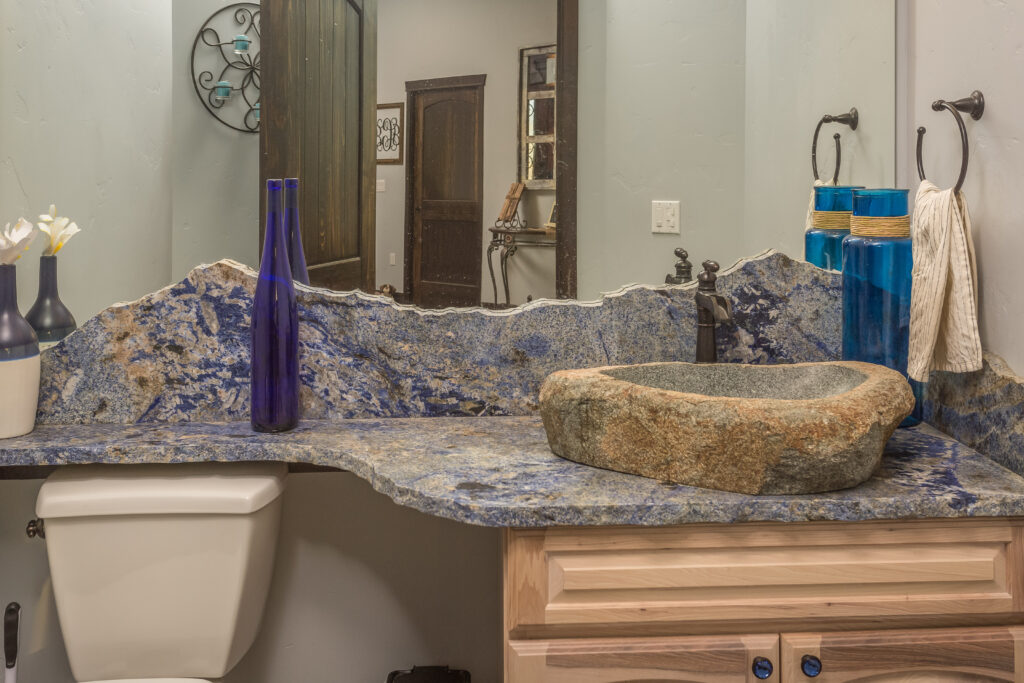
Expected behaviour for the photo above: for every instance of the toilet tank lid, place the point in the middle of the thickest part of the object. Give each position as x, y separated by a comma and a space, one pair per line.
189, 488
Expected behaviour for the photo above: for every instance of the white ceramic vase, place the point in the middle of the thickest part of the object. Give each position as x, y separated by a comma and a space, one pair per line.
19, 362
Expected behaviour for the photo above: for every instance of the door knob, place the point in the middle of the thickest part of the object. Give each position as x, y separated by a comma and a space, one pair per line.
810, 665
762, 668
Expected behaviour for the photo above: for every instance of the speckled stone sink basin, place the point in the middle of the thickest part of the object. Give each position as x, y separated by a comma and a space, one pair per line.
758, 429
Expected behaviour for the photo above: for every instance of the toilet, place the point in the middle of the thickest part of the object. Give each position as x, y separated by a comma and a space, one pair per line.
160, 572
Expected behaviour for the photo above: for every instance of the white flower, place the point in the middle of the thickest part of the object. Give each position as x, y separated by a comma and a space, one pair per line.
59, 229
15, 241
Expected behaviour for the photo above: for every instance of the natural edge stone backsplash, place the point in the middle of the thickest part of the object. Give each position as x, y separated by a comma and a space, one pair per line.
182, 353
983, 409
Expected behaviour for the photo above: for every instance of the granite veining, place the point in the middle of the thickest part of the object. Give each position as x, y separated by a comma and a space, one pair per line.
182, 353
983, 409
498, 471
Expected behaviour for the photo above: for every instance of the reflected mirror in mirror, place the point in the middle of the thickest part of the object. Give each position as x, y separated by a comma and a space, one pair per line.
708, 103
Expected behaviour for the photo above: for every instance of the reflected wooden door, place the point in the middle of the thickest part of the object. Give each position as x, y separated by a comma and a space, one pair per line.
444, 191
318, 108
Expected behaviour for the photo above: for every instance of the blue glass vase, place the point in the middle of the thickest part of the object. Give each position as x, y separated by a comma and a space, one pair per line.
824, 247
296, 256
275, 329
876, 291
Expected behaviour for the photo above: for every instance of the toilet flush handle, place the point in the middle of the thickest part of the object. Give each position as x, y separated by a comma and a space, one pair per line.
35, 528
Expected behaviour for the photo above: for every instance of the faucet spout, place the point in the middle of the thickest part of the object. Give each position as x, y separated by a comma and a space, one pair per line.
712, 309
716, 304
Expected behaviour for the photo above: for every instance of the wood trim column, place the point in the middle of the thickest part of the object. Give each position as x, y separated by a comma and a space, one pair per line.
567, 107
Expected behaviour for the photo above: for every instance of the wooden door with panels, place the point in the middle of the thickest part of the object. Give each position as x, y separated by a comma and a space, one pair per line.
318, 111
444, 191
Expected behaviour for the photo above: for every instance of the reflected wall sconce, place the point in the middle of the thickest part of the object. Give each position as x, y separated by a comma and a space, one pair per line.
226, 73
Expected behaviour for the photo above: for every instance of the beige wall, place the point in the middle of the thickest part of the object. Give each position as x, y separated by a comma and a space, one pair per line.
952, 48
419, 39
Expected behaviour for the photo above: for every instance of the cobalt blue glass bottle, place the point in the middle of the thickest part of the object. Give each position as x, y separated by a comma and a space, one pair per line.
877, 264
823, 243
275, 329
296, 256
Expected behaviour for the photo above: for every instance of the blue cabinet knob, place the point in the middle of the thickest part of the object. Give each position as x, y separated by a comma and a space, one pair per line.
762, 667
810, 665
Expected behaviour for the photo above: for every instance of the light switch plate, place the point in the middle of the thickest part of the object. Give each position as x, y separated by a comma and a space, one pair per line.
392, 260
381, 185
665, 217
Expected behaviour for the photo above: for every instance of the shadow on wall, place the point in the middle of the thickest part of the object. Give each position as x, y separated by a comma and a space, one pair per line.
363, 586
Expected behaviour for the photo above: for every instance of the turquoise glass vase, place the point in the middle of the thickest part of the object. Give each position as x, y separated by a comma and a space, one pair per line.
876, 290
823, 247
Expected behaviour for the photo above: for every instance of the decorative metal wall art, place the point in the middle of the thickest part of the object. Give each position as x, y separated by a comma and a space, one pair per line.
390, 129
226, 66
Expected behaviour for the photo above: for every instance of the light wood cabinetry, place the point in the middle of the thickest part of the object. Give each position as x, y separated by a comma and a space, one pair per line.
721, 659
667, 604
933, 655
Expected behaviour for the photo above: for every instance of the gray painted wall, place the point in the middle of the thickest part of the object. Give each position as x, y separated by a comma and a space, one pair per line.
85, 122
714, 104
420, 39
215, 171
994, 64
660, 118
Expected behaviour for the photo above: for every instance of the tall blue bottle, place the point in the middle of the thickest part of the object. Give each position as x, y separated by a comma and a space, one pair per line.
876, 289
823, 247
296, 256
275, 329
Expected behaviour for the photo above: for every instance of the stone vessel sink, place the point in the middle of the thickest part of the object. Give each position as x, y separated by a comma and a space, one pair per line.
757, 429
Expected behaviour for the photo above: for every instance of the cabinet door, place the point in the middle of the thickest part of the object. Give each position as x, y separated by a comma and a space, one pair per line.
697, 659
966, 655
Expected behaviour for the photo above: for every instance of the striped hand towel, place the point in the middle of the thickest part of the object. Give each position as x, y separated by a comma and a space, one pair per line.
944, 299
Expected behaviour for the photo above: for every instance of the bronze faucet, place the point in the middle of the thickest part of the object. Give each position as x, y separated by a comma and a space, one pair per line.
712, 308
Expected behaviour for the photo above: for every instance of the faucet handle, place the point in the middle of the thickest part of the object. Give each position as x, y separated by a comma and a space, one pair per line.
708, 277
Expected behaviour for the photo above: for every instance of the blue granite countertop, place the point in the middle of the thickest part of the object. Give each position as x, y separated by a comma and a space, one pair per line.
498, 471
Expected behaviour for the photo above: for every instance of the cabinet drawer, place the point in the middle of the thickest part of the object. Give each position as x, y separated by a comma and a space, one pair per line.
956, 655
724, 659
566, 580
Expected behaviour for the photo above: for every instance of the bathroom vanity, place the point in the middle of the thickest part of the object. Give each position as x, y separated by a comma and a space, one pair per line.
913, 575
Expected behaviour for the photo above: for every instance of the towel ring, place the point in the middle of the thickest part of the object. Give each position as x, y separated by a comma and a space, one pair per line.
851, 119
973, 105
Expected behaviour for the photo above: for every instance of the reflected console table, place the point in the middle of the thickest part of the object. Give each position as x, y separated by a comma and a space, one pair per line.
508, 240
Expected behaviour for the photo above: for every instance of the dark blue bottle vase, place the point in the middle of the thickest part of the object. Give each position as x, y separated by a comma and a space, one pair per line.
49, 317
296, 255
823, 247
876, 291
275, 329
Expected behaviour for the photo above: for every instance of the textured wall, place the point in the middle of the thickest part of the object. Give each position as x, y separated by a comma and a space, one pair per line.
215, 170
806, 58
992, 62
85, 122
660, 118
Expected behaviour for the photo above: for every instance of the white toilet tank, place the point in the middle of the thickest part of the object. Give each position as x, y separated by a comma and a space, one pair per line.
160, 571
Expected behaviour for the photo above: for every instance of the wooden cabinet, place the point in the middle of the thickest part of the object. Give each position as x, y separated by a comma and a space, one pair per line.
718, 659
933, 655
662, 604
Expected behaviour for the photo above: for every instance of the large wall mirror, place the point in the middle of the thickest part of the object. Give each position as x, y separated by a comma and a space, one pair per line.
464, 152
